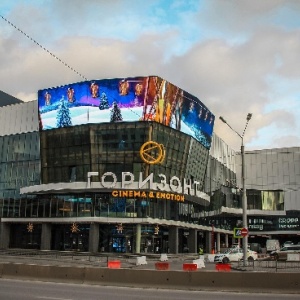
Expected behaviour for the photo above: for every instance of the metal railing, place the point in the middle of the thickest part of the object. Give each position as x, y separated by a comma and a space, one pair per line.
270, 266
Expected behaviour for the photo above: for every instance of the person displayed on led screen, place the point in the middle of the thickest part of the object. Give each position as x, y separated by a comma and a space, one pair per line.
94, 88
47, 98
71, 95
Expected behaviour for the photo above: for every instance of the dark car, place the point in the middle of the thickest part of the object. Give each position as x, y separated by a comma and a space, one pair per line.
255, 247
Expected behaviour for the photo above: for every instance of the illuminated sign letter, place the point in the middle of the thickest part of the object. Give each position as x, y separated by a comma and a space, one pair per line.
163, 183
127, 182
187, 186
89, 175
175, 188
143, 182
137, 194
109, 184
196, 183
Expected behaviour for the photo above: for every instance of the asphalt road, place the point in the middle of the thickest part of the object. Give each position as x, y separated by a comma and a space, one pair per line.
34, 290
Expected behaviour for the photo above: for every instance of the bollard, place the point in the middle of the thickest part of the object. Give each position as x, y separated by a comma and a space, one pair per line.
200, 263
223, 267
162, 266
163, 257
114, 264
141, 260
189, 267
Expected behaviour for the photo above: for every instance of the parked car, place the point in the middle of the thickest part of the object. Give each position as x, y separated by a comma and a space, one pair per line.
255, 247
287, 243
284, 251
272, 245
235, 254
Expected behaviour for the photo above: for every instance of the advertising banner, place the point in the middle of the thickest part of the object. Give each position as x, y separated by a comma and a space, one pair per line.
122, 100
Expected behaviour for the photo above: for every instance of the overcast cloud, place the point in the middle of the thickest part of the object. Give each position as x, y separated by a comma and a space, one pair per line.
236, 56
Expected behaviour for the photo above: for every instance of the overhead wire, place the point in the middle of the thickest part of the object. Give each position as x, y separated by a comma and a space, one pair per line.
49, 52
66, 64
42, 47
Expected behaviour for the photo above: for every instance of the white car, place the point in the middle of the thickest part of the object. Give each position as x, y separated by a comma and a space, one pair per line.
235, 254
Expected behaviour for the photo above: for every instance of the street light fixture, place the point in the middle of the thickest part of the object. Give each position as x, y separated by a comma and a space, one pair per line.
244, 198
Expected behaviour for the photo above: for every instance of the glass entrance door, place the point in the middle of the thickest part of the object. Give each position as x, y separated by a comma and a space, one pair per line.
119, 244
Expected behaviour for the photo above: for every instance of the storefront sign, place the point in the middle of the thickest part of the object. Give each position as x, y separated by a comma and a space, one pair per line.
256, 227
144, 194
274, 223
163, 188
288, 223
152, 153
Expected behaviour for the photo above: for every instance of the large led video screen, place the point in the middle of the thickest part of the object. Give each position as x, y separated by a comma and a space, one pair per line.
125, 99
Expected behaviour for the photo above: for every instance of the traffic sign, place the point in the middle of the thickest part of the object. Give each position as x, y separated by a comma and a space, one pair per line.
237, 233
240, 233
244, 232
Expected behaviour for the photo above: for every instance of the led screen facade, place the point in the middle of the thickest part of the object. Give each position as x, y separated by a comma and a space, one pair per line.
125, 99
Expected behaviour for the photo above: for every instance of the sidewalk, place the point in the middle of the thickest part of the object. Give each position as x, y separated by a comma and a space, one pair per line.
132, 261
100, 260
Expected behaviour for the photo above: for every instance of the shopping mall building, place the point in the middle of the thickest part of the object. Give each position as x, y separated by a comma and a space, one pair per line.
133, 165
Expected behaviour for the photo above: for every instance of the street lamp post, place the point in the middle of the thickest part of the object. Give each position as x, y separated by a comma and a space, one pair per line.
244, 198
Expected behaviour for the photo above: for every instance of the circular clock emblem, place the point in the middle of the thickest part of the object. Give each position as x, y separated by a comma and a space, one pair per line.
152, 153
